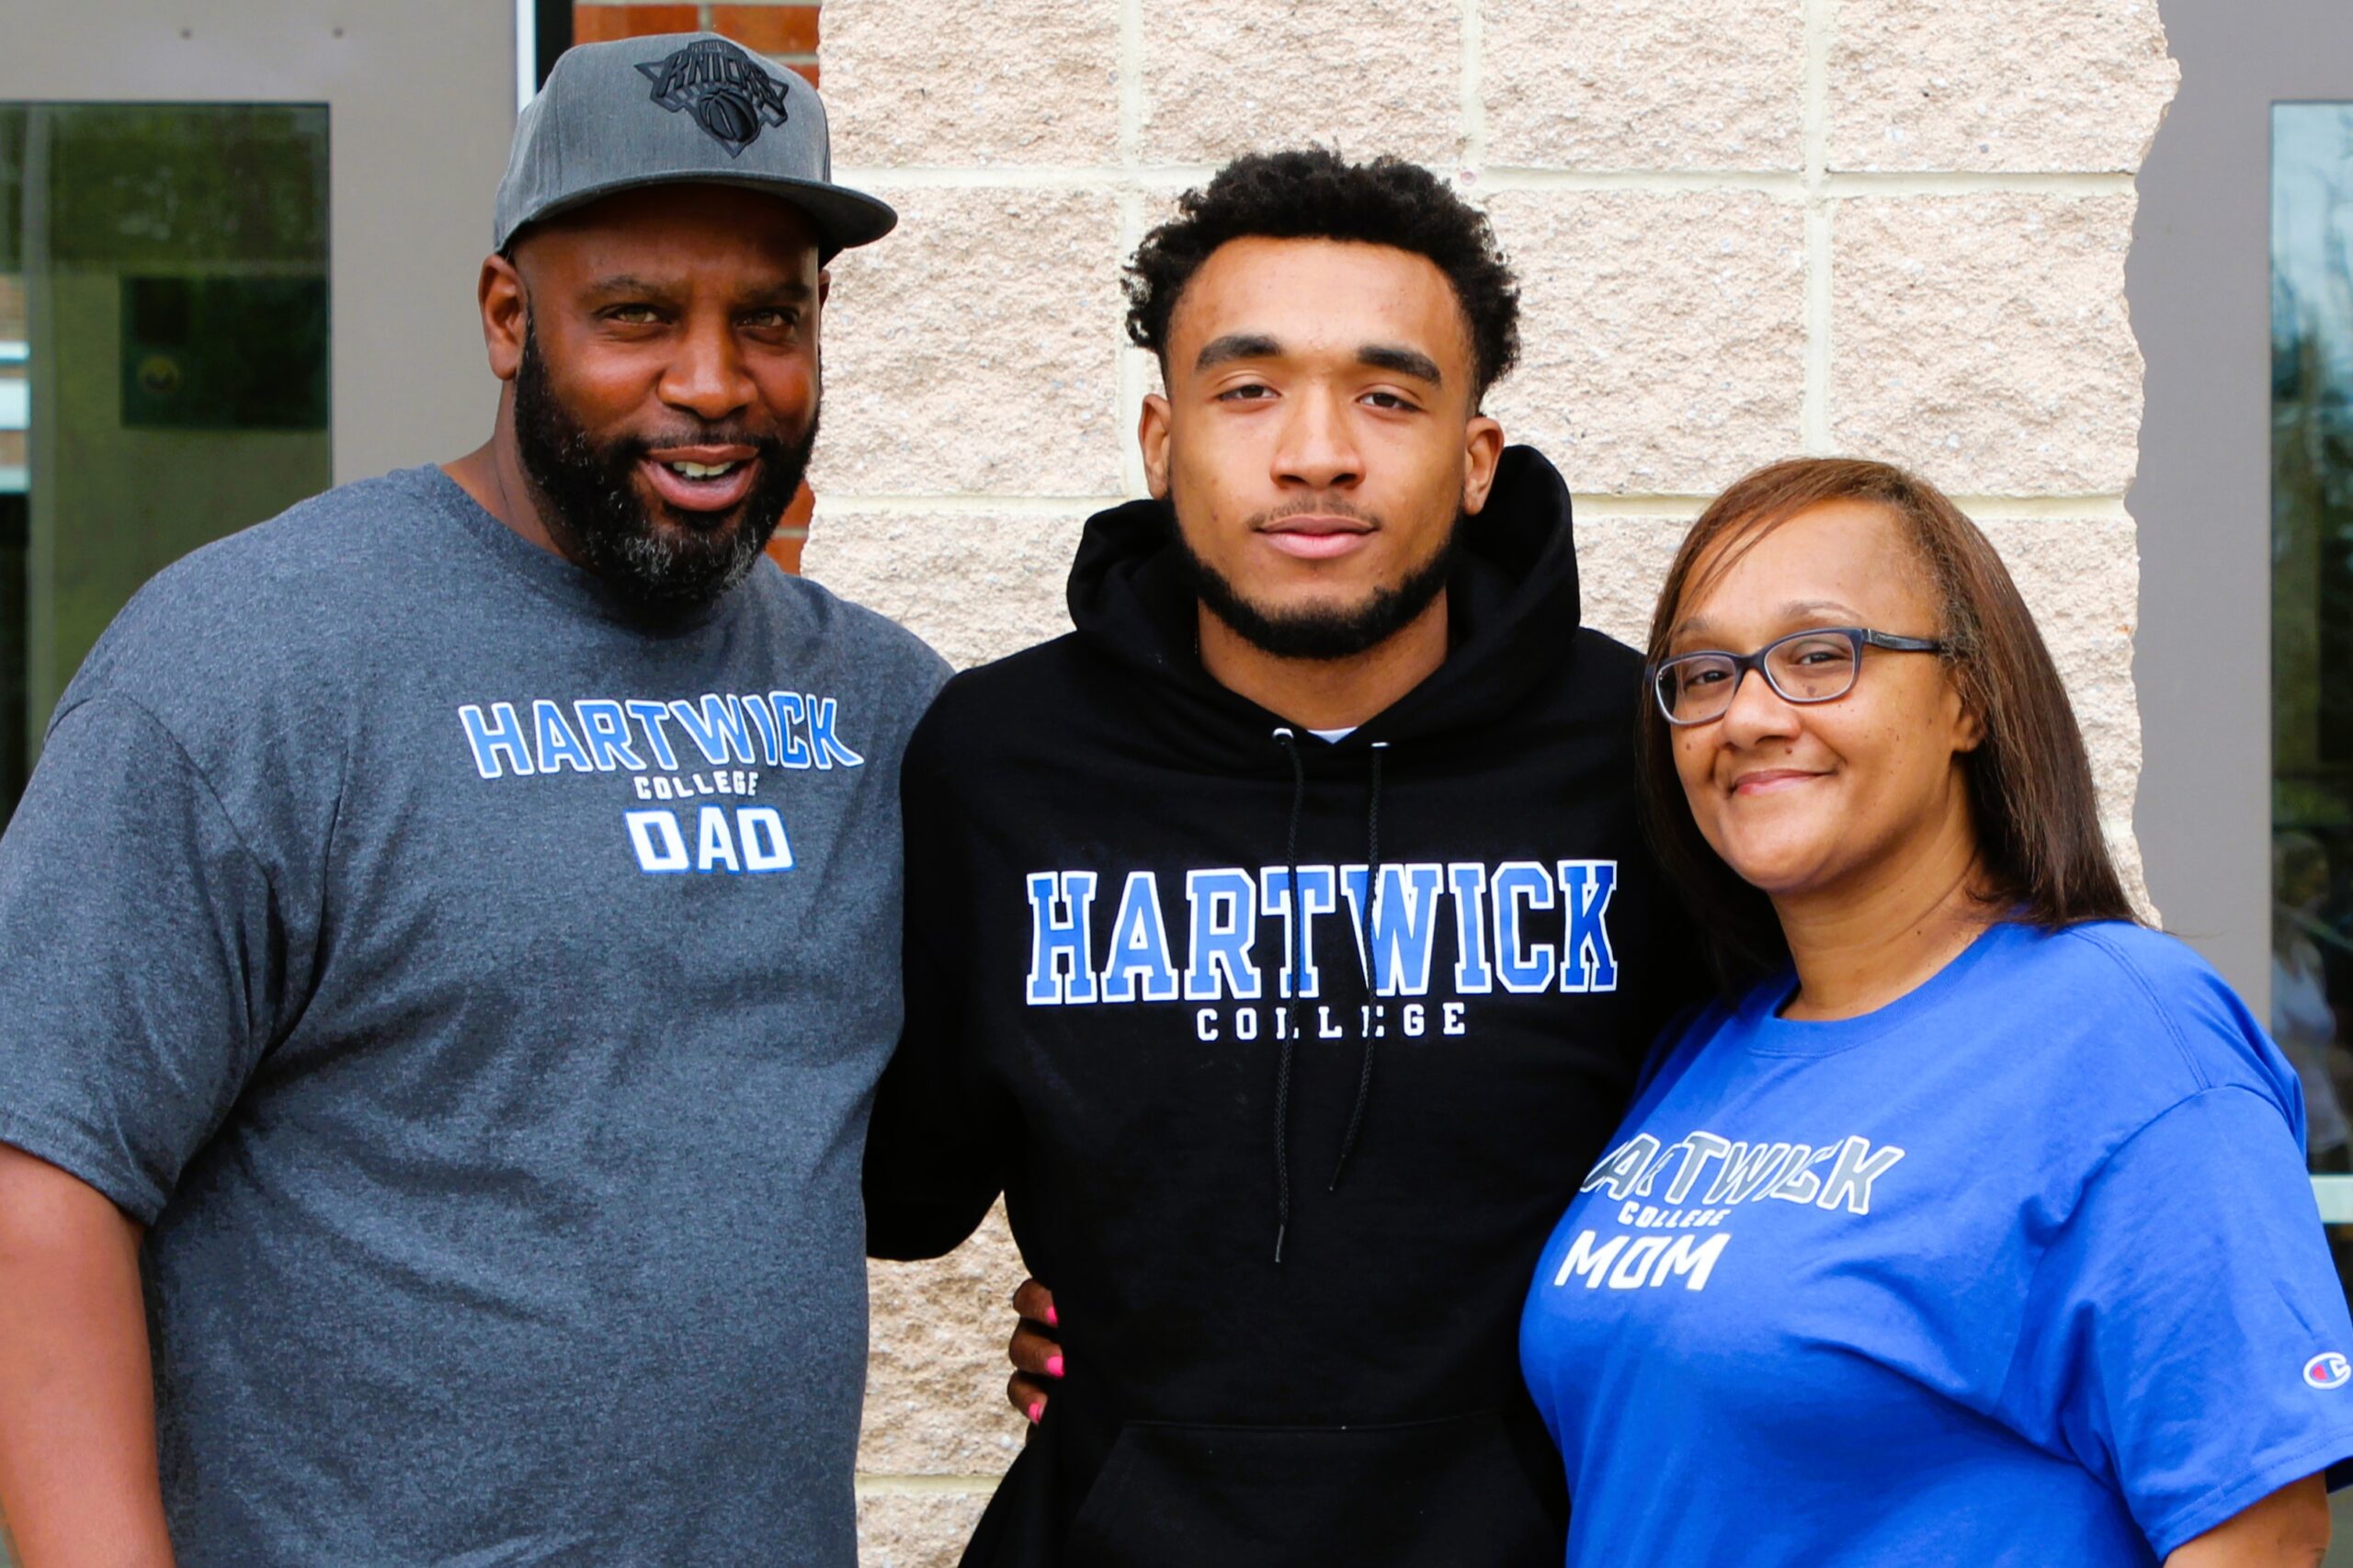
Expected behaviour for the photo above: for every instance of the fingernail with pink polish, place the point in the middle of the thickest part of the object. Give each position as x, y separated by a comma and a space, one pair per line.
1054, 1366
1052, 1320
1037, 1413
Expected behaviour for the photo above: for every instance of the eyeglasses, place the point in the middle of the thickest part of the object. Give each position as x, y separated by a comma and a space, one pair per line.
1819, 666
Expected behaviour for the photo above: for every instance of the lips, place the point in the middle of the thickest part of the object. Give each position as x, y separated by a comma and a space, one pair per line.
701, 478
1771, 780
1315, 537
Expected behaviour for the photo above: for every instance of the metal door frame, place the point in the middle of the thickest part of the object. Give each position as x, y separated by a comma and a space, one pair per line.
2198, 281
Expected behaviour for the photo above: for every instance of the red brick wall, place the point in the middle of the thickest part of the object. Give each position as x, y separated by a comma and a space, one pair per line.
783, 30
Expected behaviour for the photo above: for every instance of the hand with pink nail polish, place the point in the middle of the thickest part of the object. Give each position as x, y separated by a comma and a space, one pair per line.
1035, 1351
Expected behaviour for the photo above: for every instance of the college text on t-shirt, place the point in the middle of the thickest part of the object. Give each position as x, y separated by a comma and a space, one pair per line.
1647, 1253
697, 754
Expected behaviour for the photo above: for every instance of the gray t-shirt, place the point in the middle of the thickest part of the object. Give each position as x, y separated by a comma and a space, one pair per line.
480, 998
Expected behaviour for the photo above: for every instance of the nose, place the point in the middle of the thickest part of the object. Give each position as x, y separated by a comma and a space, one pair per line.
1317, 449
1757, 713
707, 378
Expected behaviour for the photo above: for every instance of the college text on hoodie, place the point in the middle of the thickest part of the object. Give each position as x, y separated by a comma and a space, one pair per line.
1286, 1180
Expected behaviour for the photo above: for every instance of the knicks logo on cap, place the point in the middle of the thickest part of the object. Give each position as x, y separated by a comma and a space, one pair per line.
2328, 1370
723, 88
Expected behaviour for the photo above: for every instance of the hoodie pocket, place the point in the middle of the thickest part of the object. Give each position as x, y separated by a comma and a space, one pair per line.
1453, 1492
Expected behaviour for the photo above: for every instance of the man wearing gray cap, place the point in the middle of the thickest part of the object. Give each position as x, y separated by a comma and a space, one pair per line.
447, 946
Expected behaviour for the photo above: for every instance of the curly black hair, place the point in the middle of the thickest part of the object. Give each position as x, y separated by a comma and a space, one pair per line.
1313, 193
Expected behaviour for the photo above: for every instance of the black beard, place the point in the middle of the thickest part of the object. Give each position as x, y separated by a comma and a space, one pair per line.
1323, 635
592, 508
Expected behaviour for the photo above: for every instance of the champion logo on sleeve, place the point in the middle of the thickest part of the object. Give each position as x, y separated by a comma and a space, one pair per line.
2328, 1370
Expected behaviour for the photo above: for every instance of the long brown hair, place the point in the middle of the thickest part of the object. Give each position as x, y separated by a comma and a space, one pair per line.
2030, 795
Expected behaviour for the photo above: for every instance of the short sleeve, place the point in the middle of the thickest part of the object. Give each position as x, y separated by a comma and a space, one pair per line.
139, 958
2186, 1334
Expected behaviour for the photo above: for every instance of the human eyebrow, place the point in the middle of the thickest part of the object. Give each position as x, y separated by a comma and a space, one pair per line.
1691, 626
791, 293
1799, 610
626, 285
1237, 346
1796, 609
1405, 362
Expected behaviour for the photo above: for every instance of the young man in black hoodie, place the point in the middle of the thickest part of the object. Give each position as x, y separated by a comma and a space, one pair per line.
1282, 944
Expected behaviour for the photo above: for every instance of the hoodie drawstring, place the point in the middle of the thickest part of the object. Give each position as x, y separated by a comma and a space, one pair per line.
1289, 742
1285, 738
1372, 964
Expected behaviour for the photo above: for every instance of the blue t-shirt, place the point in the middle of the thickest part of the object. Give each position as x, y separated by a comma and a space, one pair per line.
2021, 1269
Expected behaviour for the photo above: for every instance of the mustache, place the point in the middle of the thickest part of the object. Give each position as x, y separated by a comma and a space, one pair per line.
638, 445
1317, 505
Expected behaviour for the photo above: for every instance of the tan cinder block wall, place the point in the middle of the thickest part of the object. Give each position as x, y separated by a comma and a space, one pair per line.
1746, 229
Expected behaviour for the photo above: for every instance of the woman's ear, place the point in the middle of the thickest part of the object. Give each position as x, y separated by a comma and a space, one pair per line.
1968, 724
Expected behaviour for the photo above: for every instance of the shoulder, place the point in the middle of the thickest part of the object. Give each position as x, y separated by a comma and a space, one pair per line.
283, 563
1595, 692
1691, 1032
1004, 698
1600, 675
2143, 1016
878, 647
1039, 670
248, 655
838, 652
2174, 988
264, 610
1604, 660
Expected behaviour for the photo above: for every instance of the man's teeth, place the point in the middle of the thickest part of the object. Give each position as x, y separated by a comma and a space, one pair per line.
701, 471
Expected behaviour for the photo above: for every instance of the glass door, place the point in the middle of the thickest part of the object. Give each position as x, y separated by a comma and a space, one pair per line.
164, 361
2312, 625
2311, 652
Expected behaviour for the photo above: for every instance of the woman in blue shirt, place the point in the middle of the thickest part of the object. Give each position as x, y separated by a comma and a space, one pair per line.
1975, 1231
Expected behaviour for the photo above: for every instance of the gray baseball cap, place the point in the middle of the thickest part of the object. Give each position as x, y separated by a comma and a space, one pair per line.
677, 107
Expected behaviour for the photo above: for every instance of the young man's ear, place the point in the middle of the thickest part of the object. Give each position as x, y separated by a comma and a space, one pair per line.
1151, 439
505, 314
1483, 448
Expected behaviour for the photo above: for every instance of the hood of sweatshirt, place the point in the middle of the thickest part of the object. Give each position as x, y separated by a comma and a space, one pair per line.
1288, 1177
1512, 607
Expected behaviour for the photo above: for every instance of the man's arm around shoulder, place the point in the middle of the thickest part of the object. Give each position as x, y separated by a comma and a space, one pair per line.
933, 1157
930, 1175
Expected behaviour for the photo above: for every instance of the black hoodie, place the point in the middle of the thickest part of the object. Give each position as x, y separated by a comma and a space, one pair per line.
1356, 1399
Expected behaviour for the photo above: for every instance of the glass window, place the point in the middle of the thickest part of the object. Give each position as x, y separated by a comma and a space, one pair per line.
2311, 643
163, 362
